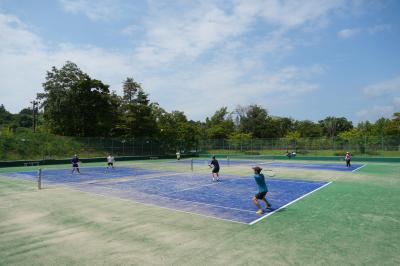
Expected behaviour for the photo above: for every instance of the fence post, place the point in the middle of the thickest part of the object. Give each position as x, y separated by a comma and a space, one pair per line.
365, 145
40, 178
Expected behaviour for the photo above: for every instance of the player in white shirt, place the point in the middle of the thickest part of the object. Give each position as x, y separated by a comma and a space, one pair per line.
110, 161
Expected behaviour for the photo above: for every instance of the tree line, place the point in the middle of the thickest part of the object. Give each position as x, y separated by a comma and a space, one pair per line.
75, 104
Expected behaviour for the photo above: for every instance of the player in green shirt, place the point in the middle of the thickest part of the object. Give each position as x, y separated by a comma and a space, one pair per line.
262, 189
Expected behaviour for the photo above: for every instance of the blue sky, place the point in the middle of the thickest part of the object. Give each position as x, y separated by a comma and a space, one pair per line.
301, 59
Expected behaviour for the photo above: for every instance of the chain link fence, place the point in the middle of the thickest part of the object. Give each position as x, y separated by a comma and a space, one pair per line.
48, 146
366, 145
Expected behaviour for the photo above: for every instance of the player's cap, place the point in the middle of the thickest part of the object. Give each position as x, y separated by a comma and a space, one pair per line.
347, 152
257, 168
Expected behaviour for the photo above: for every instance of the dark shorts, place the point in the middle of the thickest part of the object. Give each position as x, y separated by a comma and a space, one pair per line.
260, 195
110, 164
75, 165
215, 170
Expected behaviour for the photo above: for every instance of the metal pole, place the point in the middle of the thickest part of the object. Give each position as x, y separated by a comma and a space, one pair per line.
40, 178
191, 164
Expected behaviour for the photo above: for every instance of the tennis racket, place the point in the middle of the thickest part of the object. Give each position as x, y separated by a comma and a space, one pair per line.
269, 172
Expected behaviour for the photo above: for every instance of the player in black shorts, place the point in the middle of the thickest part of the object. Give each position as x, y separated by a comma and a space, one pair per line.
215, 168
75, 164
110, 161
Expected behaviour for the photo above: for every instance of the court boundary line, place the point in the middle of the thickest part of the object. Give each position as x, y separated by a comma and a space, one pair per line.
312, 166
71, 186
355, 170
286, 205
166, 196
150, 204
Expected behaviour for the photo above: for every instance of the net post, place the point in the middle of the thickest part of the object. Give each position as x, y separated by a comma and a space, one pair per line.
228, 160
191, 164
40, 178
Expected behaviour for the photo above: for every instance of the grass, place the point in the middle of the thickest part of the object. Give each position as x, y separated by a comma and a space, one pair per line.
353, 221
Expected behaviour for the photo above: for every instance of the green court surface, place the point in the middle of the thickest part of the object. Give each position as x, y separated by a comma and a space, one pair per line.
353, 221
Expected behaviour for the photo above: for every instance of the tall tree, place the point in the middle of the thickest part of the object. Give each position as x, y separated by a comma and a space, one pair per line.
308, 129
393, 127
5, 116
255, 120
220, 125
137, 111
332, 126
130, 88
76, 105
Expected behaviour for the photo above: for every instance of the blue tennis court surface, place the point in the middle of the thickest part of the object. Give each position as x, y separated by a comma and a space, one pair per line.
272, 164
87, 174
229, 199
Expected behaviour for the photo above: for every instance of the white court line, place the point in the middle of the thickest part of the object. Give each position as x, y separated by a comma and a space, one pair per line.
359, 168
280, 180
284, 206
192, 188
207, 204
150, 204
197, 202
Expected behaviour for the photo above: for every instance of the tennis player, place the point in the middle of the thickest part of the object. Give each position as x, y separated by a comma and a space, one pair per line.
347, 158
75, 164
262, 190
214, 165
178, 155
110, 161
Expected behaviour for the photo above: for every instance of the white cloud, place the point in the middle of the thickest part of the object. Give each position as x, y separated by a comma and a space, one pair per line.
293, 13
387, 91
376, 112
195, 57
16, 37
191, 30
352, 32
202, 89
348, 33
383, 88
378, 28
396, 102
130, 30
95, 10
25, 58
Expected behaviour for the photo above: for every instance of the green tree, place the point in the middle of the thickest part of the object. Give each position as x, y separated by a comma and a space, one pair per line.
176, 130
283, 126
393, 127
76, 105
255, 120
137, 111
5, 116
220, 125
308, 129
24, 118
332, 126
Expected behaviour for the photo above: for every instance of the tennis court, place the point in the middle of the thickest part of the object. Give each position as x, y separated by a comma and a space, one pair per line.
161, 212
229, 199
279, 164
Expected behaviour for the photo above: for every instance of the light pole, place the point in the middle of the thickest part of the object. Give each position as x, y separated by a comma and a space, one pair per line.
35, 105
123, 146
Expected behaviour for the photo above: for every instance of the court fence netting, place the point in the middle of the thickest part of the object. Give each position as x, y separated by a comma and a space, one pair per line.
49, 147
